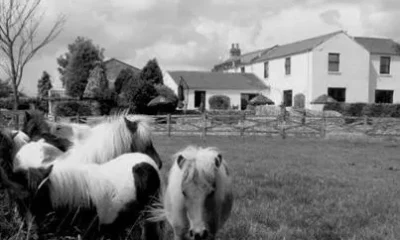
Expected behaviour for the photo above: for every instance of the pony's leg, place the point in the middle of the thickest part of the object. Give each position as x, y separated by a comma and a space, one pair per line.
152, 230
179, 233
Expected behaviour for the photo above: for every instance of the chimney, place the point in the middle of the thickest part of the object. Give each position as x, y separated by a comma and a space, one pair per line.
235, 51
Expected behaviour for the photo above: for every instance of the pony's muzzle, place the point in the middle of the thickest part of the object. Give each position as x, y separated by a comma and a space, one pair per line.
198, 234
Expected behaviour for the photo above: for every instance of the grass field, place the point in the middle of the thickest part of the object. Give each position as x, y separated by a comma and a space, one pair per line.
304, 188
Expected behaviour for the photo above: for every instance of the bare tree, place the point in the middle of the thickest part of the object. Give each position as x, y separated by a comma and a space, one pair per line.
19, 41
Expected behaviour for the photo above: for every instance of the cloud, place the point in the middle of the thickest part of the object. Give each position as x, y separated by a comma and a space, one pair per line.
192, 34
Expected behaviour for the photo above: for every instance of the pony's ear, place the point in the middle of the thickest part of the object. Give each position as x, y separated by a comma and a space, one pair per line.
45, 172
27, 116
180, 161
132, 126
218, 160
14, 134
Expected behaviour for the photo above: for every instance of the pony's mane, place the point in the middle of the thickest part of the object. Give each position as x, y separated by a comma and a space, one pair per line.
111, 138
201, 162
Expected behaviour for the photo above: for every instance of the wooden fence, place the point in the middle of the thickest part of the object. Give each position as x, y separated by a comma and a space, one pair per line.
245, 125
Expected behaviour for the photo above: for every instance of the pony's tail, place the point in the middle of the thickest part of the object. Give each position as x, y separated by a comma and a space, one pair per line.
155, 212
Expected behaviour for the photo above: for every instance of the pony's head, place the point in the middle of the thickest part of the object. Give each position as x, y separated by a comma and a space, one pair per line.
24, 185
199, 184
36, 154
62, 130
35, 123
139, 126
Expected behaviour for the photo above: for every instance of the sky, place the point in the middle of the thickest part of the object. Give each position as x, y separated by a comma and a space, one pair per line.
196, 35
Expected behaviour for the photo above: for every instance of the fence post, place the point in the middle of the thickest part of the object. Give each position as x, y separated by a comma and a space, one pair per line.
16, 121
323, 125
169, 124
204, 124
365, 120
242, 119
77, 118
283, 121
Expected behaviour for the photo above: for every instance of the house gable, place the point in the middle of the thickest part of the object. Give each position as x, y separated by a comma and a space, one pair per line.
113, 67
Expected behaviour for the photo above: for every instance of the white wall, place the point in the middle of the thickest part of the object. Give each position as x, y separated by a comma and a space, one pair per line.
353, 69
385, 81
168, 81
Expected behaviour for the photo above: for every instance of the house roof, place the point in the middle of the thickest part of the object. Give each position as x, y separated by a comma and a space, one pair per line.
379, 45
296, 47
243, 59
114, 67
278, 51
218, 80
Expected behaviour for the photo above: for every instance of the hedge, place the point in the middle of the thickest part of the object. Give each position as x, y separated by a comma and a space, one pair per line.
72, 108
364, 109
219, 102
24, 103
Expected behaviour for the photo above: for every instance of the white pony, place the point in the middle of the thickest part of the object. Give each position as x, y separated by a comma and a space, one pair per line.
198, 198
118, 190
107, 140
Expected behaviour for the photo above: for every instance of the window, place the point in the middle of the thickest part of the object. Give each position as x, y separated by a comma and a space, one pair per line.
385, 65
333, 62
339, 94
245, 98
266, 69
199, 98
383, 96
287, 66
242, 70
287, 98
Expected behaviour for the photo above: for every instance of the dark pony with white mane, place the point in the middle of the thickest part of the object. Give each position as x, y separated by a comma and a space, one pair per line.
100, 200
37, 127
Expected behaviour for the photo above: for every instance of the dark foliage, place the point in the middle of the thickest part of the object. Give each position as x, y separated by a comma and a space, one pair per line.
123, 78
219, 102
138, 94
72, 108
151, 73
82, 58
5, 89
24, 103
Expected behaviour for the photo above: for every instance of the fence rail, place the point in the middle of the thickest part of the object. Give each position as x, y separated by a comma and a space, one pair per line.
244, 125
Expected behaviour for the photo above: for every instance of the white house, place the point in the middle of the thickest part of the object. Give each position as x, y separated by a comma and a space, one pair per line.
336, 64
197, 87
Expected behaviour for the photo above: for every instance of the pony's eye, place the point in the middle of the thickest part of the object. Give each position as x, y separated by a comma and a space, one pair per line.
183, 193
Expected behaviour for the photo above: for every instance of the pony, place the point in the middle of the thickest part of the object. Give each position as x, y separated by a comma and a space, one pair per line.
74, 132
37, 127
112, 195
198, 198
114, 136
11, 141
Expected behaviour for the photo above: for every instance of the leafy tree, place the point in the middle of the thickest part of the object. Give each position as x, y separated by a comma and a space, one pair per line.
152, 73
138, 94
97, 83
123, 78
81, 59
20, 39
44, 85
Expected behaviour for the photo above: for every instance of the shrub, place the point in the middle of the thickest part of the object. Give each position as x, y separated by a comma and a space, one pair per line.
354, 109
338, 107
299, 101
219, 102
382, 110
72, 108
24, 103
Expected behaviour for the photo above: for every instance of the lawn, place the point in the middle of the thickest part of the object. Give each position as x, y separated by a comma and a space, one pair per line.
304, 188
